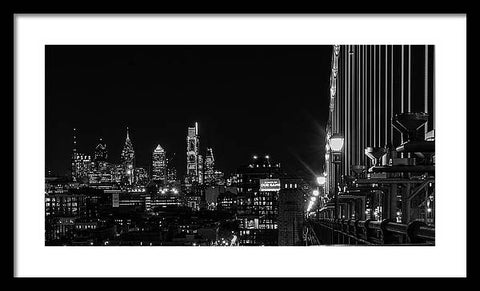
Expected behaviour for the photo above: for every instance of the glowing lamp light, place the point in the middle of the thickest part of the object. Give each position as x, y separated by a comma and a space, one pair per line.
313, 198
327, 157
316, 192
255, 157
336, 142
321, 180
267, 157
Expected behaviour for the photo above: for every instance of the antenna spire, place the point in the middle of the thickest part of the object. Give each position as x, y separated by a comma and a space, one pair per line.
74, 140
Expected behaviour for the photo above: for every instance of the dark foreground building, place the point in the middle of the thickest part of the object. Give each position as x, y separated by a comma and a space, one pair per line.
270, 204
291, 209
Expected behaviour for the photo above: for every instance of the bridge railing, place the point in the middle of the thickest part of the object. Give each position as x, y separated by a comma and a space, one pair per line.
370, 232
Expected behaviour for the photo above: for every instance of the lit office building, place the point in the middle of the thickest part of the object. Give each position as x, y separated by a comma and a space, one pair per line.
200, 175
171, 175
141, 176
101, 153
159, 165
118, 173
100, 176
128, 160
81, 163
65, 205
227, 201
218, 178
101, 170
209, 167
193, 148
81, 166
257, 205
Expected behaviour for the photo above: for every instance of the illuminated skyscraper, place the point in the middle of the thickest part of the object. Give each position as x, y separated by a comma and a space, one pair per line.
81, 163
101, 153
101, 170
159, 164
193, 145
171, 170
209, 167
128, 160
200, 169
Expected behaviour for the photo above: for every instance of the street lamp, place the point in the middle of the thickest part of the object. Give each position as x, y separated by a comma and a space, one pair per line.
336, 143
321, 180
336, 146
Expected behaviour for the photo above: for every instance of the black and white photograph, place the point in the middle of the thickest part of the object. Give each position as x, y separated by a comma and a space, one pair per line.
152, 154
172, 145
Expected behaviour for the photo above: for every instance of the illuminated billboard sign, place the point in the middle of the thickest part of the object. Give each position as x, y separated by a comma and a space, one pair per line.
269, 184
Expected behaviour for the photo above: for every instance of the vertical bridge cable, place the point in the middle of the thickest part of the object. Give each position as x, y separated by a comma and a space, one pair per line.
374, 95
426, 85
402, 86
370, 140
409, 108
365, 135
359, 102
379, 95
391, 94
347, 133
386, 95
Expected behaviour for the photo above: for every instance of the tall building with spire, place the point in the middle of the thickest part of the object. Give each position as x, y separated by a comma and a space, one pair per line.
128, 160
193, 148
159, 165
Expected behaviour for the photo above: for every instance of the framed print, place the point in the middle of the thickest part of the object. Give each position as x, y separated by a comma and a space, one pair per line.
191, 145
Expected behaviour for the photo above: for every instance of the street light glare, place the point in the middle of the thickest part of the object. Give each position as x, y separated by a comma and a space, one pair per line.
316, 192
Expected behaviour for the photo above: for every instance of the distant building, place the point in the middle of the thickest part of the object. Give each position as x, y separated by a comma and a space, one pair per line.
128, 160
101, 153
209, 167
171, 175
81, 166
227, 201
200, 177
159, 165
81, 163
100, 171
193, 149
118, 173
141, 176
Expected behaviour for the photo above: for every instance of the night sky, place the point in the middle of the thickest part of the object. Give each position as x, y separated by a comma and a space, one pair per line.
247, 99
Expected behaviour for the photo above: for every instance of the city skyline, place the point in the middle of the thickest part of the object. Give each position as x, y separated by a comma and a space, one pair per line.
262, 118
370, 180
